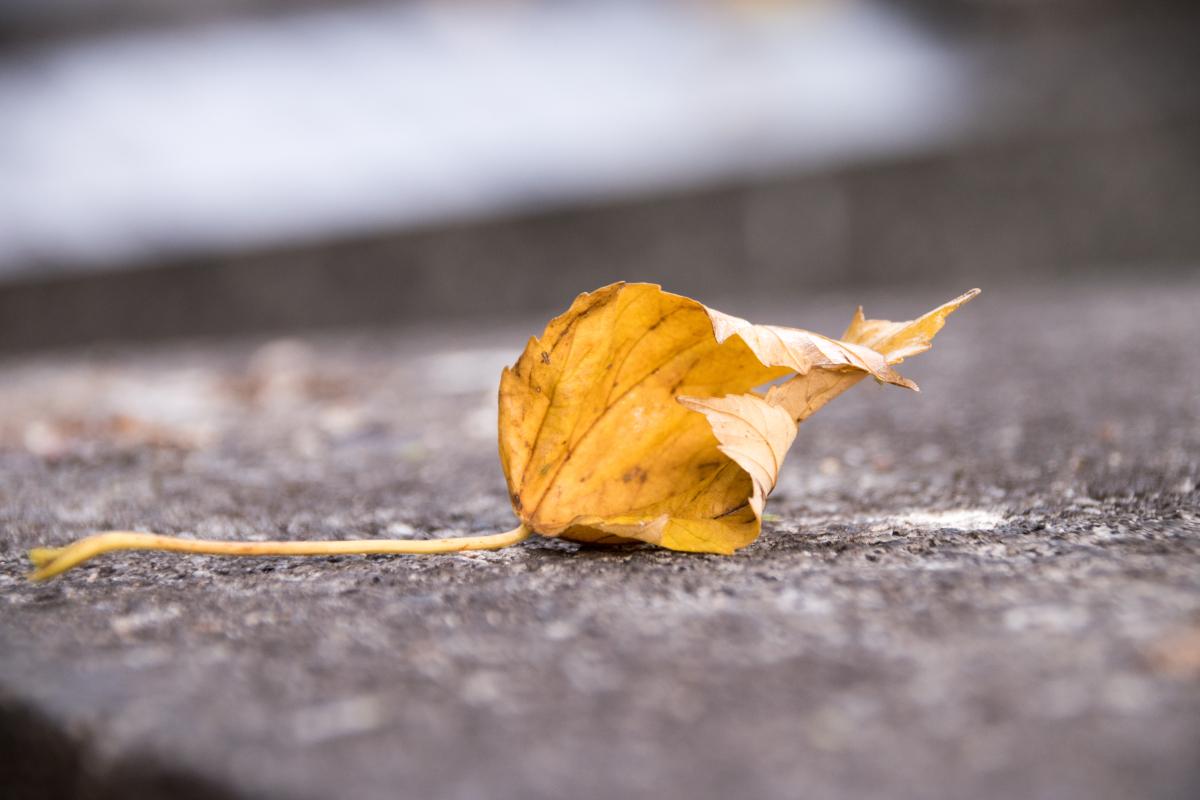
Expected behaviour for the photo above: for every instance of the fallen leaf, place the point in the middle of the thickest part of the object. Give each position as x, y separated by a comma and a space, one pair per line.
635, 417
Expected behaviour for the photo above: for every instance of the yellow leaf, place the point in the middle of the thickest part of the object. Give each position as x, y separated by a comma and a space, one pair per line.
635, 417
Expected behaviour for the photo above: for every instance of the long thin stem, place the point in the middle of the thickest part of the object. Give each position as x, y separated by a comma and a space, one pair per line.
51, 561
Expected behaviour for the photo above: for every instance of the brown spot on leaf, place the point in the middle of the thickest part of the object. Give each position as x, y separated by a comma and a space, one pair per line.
635, 474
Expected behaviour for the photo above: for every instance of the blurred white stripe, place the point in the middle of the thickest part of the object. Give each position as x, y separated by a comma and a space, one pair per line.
226, 136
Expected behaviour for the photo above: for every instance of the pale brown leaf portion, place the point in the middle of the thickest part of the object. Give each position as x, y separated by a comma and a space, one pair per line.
634, 415
892, 341
801, 351
754, 433
899, 340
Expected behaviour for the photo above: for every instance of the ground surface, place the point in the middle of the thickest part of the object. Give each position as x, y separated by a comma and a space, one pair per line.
990, 589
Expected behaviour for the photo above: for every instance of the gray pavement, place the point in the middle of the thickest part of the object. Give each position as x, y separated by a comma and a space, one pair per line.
990, 589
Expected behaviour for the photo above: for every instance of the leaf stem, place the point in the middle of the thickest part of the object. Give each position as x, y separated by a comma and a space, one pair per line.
52, 561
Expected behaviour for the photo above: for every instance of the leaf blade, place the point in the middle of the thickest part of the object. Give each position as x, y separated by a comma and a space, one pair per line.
633, 416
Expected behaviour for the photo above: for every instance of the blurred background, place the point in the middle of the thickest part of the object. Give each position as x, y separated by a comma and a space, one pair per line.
225, 166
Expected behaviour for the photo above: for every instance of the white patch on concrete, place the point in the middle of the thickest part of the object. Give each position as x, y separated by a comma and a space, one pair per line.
480, 423
140, 620
457, 372
338, 719
965, 519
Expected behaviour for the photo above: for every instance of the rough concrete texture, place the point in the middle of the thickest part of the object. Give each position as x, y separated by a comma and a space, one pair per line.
989, 589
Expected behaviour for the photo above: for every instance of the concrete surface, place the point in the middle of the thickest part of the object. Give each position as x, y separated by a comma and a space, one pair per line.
990, 589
